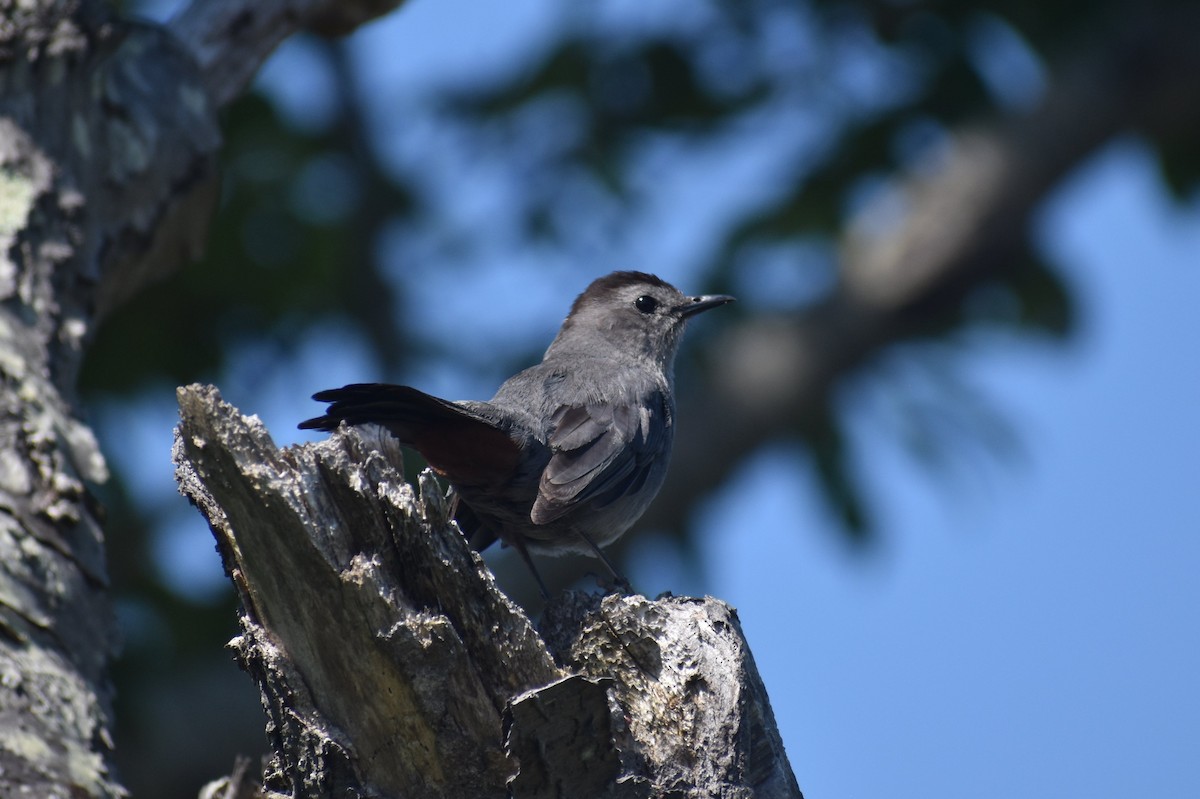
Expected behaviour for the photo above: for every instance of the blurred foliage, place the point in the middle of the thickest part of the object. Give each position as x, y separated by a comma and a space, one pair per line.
291, 246
870, 88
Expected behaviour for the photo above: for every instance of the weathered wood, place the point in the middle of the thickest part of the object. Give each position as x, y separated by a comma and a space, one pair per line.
694, 712
391, 665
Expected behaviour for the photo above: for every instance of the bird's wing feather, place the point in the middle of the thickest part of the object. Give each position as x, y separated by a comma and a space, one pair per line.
600, 451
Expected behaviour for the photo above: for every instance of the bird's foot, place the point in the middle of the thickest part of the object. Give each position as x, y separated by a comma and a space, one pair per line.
613, 584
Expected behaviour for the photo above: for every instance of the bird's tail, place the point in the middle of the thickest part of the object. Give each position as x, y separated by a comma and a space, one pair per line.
462, 446
400, 407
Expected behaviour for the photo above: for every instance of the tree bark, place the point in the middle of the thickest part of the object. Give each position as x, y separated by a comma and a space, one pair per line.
390, 664
108, 138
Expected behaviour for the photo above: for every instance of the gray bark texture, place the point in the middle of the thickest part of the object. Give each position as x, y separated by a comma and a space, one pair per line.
108, 143
390, 665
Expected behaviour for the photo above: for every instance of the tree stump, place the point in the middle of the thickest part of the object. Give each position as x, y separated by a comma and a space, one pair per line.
390, 664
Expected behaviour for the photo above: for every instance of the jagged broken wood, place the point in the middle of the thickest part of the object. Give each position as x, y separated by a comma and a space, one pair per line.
390, 664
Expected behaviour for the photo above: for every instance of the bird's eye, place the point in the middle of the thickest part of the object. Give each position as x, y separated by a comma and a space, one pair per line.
646, 304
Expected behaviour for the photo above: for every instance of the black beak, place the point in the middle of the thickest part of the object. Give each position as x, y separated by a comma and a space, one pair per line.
695, 305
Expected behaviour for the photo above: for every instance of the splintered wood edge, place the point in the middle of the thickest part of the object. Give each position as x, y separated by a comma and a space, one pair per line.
389, 674
435, 619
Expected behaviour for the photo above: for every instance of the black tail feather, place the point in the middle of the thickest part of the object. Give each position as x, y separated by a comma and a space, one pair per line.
460, 444
380, 403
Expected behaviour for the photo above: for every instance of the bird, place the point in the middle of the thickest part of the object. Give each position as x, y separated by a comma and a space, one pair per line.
569, 452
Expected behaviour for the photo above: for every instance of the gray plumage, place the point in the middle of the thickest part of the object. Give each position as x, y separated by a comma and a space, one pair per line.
569, 453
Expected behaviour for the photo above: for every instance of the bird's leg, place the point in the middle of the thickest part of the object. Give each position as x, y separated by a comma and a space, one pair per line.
519, 545
619, 581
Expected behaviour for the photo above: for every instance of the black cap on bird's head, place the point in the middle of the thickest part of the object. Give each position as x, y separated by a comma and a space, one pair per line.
630, 312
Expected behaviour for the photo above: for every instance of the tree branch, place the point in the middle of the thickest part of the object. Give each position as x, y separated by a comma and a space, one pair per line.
230, 39
968, 219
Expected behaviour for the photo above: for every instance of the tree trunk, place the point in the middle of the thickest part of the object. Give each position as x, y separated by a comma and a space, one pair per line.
391, 665
108, 138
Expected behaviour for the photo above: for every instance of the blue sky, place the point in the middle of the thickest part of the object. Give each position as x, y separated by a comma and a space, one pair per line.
1022, 628
1034, 632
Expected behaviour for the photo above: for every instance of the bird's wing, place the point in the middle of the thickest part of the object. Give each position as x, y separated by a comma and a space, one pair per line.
600, 452
458, 443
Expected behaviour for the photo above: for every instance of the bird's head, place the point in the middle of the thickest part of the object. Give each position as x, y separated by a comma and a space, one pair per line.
630, 312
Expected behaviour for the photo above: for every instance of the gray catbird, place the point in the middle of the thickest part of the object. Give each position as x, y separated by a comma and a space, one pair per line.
569, 452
